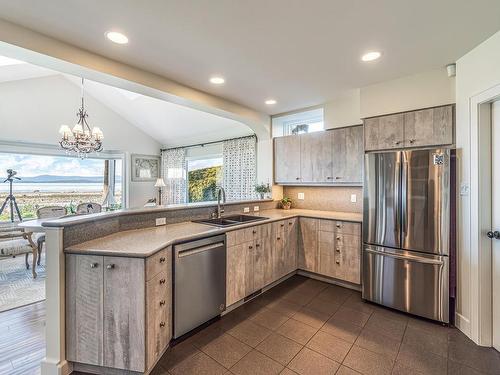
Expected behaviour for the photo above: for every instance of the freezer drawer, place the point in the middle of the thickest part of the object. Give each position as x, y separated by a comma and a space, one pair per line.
408, 281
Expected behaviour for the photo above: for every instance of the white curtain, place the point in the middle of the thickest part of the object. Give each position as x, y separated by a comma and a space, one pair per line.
239, 168
174, 173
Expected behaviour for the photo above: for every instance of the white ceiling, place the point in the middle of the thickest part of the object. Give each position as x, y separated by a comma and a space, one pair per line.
299, 52
170, 124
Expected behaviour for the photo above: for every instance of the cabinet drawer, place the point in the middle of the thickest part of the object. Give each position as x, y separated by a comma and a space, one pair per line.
157, 262
158, 323
239, 236
347, 240
347, 227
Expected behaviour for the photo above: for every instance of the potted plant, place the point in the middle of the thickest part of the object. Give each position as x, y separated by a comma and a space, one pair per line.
286, 203
262, 189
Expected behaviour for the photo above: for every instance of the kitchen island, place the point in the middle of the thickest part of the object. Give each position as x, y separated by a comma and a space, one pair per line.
118, 295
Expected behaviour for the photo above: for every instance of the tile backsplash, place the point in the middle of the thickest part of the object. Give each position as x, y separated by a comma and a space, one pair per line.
332, 198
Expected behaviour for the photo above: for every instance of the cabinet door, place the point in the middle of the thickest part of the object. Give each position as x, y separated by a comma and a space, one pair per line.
385, 132
354, 155
239, 268
349, 248
84, 315
124, 313
316, 157
308, 250
263, 262
291, 244
429, 127
326, 258
287, 159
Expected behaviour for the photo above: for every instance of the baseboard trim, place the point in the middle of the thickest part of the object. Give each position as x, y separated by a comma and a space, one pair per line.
49, 367
463, 324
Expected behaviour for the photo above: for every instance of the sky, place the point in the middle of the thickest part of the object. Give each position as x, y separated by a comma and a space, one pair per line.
36, 165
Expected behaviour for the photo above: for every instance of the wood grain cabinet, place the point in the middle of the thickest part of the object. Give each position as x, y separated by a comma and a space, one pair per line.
426, 127
118, 310
331, 248
333, 157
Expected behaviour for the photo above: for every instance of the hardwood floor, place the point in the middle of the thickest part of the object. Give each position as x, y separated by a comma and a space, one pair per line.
22, 340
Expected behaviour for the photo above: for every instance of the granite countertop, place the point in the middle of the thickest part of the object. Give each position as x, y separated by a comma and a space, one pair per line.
145, 242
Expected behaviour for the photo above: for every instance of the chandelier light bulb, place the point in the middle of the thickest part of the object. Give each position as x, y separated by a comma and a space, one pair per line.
77, 129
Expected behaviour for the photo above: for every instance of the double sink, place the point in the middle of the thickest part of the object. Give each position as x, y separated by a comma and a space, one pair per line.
231, 220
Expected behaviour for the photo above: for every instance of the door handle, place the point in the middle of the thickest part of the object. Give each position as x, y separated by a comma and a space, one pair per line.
493, 235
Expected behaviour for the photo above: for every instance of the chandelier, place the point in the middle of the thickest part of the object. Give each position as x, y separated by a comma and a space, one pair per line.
82, 139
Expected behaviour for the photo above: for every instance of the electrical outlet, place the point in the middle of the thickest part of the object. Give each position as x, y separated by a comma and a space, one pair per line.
301, 196
161, 221
256, 208
246, 209
353, 198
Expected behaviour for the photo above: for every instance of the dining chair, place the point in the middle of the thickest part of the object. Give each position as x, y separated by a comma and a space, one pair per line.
88, 208
45, 213
16, 241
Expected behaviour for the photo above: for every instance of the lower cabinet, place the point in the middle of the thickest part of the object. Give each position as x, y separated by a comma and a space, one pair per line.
118, 315
258, 256
331, 248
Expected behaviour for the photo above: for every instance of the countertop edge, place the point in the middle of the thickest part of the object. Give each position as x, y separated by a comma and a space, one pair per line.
211, 231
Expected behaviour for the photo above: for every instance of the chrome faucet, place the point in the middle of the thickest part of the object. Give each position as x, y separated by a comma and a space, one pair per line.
221, 193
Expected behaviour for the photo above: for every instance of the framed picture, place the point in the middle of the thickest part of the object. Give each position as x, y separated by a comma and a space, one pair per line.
145, 167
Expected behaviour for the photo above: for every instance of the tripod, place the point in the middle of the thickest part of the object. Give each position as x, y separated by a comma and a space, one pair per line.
10, 198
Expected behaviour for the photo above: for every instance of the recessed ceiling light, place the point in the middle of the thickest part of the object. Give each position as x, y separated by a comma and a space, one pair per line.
270, 101
371, 56
117, 37
217, 80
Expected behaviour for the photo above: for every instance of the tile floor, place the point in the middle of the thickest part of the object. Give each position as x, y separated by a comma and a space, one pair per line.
308, 327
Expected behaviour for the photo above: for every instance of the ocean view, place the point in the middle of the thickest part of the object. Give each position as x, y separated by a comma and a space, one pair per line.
54, 187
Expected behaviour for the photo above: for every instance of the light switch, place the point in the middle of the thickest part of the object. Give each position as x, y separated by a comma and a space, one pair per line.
246, 209
161, 221
354, 198
301, 196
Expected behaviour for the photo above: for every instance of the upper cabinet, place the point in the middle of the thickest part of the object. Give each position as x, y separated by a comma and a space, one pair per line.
333, 157
426, 127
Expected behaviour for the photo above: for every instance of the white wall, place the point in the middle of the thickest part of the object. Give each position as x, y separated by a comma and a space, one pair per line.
343, 110
427, 89
477, 71
32, 110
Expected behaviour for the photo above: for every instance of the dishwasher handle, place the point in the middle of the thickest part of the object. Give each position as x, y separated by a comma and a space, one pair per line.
199, 249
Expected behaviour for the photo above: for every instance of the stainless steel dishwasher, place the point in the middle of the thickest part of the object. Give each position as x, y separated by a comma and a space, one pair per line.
199, 282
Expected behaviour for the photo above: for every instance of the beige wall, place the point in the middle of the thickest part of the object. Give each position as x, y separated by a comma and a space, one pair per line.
477, 71
427, 89
326, 198
343, 110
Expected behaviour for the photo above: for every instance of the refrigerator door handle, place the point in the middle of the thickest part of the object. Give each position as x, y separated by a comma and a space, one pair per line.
410, 258
404, 197
397, 196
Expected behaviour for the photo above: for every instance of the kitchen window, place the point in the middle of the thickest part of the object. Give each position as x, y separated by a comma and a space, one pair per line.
298, 123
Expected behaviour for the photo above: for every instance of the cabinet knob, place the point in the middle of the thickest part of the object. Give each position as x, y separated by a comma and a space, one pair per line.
329, 178
279, 238
110, 266
250, 247
282, 225
397, 143
290, 223
162, 259
94, 265
338, 238
338, 225
254, 231
297, 178
412, 141
338, 177
162, 303
337, 261
162, 324
257, 245
337, 250
162, 281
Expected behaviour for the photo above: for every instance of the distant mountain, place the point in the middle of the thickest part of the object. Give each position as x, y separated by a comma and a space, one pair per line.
65, 179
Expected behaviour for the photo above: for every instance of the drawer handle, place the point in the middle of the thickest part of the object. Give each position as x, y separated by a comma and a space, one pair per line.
162, 259
257, 245
110, 266
162, 324
412, 141
337, 250
162, 303
282, 225
94, 265
279, 238
290, 223
162, 281
397, 143
339, 238
337, 261
254, 231
338, 225
329, 178
250, 247
339, 177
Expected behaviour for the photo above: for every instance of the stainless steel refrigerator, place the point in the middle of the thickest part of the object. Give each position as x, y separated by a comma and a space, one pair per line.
406, 231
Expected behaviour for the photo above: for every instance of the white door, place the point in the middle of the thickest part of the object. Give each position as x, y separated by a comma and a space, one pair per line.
496, 222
